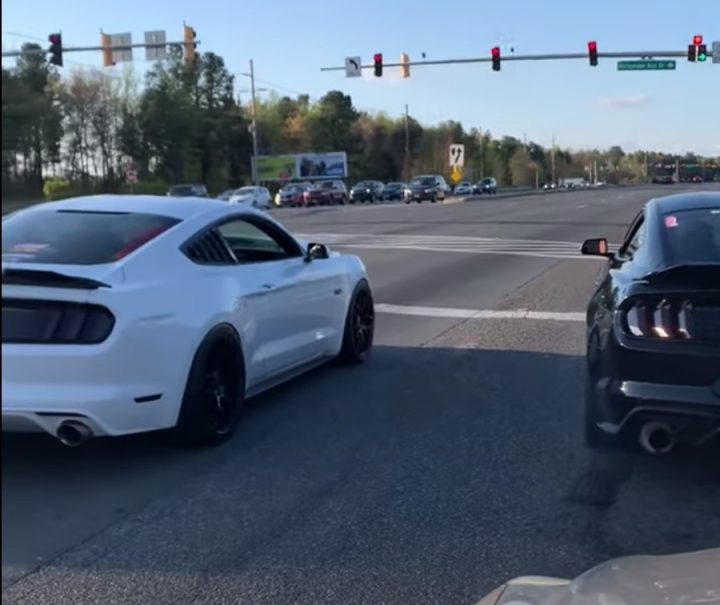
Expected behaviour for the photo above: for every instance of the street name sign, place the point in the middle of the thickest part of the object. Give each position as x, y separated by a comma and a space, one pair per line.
646, 65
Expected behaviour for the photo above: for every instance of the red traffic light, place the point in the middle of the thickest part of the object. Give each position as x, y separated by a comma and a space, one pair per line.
592, 46
495, 51
54, 38
377, 58
697, 40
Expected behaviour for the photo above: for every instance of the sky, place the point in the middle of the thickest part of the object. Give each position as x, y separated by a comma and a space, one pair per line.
581, 106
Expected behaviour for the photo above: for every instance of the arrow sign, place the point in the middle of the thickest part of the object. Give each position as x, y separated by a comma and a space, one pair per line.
457, 156
353, 67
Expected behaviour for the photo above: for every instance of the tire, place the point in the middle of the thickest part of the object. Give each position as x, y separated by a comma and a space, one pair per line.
214, 392
359, 326
595, 437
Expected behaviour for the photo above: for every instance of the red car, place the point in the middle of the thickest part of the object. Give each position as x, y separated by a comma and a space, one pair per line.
326, 193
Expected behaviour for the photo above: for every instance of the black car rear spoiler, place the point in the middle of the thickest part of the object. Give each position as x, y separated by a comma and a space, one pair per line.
703, 274
52, 279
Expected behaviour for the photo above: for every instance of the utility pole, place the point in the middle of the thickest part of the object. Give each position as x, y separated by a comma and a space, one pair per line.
254, 125
407, 145
552, 160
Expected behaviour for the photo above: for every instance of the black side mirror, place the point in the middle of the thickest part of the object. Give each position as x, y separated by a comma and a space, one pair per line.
596, 247
316, 251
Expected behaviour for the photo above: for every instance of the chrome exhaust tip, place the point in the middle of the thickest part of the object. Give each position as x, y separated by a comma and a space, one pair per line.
73, 433
656, 438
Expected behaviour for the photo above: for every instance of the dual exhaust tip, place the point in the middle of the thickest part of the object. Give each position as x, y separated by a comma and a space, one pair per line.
73, 433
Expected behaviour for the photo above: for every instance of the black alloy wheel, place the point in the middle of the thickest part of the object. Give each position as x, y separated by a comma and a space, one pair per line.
215, 391
359, 326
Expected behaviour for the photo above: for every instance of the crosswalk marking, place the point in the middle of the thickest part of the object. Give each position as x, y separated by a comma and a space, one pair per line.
460, 244
451, 313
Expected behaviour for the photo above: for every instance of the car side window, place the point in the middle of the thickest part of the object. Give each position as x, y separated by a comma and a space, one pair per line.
636, 240
256, 241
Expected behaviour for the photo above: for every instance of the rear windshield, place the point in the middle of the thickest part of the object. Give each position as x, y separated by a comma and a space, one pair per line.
693, 236
78, 238
425, 181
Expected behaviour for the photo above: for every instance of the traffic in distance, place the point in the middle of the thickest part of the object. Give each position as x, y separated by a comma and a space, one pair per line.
330, 192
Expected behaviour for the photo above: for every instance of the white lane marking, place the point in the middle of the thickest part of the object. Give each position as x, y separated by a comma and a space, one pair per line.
451, 313
444, 243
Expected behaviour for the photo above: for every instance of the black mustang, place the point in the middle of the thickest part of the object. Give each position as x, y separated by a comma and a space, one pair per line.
653, 329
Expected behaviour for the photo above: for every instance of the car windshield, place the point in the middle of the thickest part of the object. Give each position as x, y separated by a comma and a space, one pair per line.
78, 238
692, 236
246, 190
423, 181
328, 186
364, 184
393, 185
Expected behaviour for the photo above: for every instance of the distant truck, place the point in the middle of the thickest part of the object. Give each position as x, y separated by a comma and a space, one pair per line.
574, 183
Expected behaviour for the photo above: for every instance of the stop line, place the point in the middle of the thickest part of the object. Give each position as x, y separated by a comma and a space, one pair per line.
461, 244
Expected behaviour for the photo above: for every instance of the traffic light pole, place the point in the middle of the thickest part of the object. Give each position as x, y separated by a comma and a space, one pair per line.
644, 54
75, 49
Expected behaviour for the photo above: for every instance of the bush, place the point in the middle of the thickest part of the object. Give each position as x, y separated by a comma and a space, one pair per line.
58, 188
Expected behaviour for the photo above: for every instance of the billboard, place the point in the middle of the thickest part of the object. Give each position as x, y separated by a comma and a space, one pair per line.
302, 166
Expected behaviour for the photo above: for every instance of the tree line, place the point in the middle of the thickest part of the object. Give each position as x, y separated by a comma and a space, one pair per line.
80, 131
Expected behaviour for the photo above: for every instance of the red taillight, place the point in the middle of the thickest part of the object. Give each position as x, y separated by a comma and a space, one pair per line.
672, 319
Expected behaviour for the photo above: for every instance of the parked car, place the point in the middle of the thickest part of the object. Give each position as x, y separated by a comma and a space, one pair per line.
463, 188
487, 185
165, 315
394, 191
326, 193
291, 195
257, 197
653, 329
430, 187
367, 191
226, 195
191, 190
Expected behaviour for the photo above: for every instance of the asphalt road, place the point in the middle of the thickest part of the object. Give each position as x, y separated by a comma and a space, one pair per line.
449, 463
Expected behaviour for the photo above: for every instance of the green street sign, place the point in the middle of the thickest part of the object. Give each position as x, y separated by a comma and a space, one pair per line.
645, 65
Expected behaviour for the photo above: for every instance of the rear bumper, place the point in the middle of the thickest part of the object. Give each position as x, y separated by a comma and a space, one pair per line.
133, 382
625, 405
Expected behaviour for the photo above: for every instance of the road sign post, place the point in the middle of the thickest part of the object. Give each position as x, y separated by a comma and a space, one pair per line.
457, 155
646, 65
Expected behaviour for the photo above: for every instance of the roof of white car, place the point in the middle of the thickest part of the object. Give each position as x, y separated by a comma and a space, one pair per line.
180, 208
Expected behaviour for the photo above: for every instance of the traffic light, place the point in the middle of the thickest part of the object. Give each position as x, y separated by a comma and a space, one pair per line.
592, 53
697, 51
106, 44
405, 63
377, 60
56, 50
189, 36
495, 52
